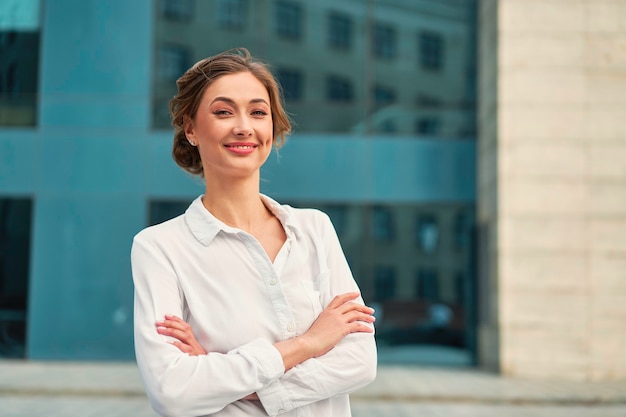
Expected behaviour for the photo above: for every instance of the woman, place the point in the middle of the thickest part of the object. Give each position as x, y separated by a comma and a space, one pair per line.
243, 306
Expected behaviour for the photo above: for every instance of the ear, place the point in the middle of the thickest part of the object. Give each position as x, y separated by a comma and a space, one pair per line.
189, 129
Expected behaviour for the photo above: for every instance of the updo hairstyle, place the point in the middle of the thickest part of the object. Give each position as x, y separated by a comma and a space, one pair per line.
191, 87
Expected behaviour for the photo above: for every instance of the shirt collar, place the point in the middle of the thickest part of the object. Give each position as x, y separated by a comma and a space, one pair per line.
204, 226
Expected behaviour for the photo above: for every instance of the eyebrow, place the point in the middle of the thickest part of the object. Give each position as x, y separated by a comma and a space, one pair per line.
231, 101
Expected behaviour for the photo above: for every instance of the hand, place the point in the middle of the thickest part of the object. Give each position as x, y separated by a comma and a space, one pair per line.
340, 318
179, 329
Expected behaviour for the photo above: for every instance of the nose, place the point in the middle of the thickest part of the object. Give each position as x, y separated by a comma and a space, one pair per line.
242, 127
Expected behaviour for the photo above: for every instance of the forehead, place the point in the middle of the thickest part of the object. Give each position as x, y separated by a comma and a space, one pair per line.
241, 85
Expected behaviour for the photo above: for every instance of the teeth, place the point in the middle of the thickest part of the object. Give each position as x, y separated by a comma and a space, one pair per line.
242, 147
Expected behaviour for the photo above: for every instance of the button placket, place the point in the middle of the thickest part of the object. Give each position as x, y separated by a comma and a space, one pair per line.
272, 283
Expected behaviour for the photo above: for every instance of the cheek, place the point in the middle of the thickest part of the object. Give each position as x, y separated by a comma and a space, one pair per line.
269, 132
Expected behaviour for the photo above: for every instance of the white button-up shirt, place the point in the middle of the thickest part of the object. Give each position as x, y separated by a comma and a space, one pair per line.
220, 280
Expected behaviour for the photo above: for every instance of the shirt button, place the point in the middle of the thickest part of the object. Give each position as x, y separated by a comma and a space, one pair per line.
273, 282
290, 327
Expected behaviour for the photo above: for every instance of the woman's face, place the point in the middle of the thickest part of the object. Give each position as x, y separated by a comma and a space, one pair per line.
233, 126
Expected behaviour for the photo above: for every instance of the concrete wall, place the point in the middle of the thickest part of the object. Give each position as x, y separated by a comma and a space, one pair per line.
560, 158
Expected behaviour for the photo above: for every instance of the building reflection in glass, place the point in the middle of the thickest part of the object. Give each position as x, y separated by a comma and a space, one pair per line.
367, 70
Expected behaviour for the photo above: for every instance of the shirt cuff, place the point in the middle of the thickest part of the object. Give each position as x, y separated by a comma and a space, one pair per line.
275, 399
268, 359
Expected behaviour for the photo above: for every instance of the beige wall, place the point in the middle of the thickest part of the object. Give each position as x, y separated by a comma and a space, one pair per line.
559, 203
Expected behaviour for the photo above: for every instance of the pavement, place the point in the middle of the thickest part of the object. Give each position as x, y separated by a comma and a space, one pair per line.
113, 389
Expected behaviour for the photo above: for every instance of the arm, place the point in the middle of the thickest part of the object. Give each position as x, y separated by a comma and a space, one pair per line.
340, 318
176, 383
350, 365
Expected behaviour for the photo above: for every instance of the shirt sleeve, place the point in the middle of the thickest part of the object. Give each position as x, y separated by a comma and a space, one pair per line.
350, 365
178, 384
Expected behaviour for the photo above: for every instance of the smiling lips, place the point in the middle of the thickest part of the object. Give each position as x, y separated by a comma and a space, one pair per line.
241, 148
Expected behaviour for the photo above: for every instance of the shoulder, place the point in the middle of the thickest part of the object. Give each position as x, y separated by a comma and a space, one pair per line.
162, 232
169, 230
306, 221
307, 214
309, 221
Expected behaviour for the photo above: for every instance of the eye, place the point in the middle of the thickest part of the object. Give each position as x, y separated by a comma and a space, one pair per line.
259, 113
221, 112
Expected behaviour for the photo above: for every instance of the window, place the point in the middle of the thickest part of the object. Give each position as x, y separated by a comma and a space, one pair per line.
427, 126
231, 14
12, 87
427, 233
462, 230
7, 38
459, 288
384, 42
177, 9
339, 31
289, 19
160, 211
291, 83
382, 224
19, 62
173, 61
383, 96
339, 89
339, 216
15, 235
427, 284
384, 282
431, 48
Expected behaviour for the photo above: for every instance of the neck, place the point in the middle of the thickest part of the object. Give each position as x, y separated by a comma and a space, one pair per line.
235, 202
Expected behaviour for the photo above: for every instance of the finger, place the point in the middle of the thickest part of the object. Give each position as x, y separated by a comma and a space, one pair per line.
342, 299
358, 327
358, 316
174, 318
353, 306
175, 333
179, 325
181, 346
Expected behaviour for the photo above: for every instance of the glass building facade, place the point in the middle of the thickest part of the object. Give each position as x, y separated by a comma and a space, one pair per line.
382, 95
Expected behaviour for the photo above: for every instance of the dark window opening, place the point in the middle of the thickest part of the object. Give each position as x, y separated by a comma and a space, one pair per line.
339, 89
428, 126
15, 235
160, 211
339, 31
177, 9
384, 42
291, 83
289, 19
431, 49
427, 285
383, 96
384, 282
231, 14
